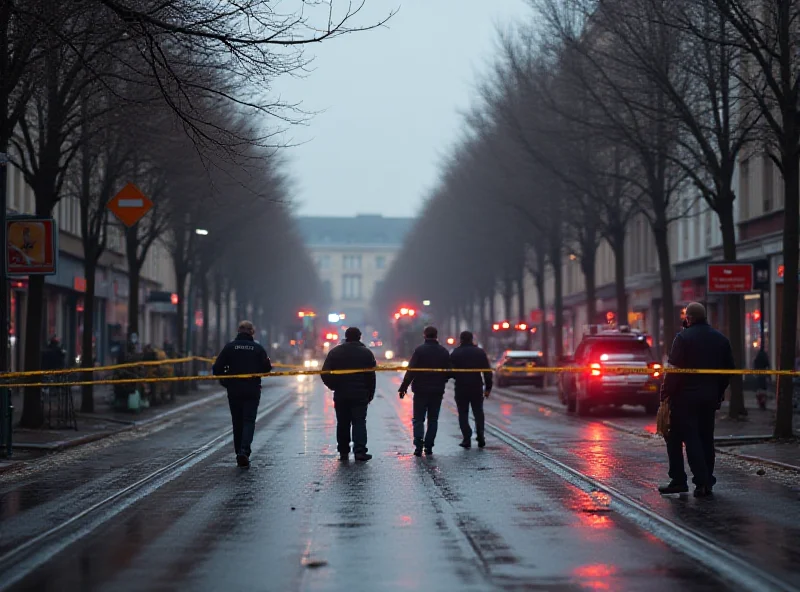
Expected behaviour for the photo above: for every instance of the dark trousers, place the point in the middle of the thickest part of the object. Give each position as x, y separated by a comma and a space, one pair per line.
464, 402
426, 405
692, 424
244, 409
351, 414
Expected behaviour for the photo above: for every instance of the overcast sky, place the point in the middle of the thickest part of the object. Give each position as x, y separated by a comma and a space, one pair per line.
391, 100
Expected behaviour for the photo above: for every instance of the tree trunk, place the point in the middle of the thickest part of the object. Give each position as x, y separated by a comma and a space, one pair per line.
660, 234
558, 301
735, 312
220, 335
32, 409
589, 269
618, 248
180, 321
508, 295
205, 307
540, 290
791, 169
87, 357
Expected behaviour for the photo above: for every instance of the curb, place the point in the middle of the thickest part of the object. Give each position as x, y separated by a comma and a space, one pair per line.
719, 442
73, 442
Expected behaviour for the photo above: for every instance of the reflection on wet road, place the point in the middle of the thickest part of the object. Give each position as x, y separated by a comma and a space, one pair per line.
301, 520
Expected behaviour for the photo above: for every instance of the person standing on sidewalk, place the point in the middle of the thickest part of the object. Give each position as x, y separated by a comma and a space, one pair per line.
428, 388
243, 356
352, 393
694, 400
470, 389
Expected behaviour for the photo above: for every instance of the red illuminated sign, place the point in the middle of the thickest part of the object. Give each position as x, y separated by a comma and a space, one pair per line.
730, 278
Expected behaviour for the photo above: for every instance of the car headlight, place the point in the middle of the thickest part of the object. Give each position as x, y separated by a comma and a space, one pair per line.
389, 354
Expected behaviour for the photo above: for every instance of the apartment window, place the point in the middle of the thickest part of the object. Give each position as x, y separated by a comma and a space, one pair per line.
326, 289
351, 287
380, 262
324, 262
352, 262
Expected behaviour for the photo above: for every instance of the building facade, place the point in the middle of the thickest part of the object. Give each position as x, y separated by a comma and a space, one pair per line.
352, 256
64, 305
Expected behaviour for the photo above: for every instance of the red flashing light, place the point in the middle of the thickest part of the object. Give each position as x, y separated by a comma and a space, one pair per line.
397, 315
756, 315
610, 316
506, 324
403, 311
450, 341
656, 369
496, 327
533, 329
411, 312
596, 369
523, 327
173, 298
301, 314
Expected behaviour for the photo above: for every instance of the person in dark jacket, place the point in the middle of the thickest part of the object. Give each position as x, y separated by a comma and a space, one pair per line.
694, 400
243, 356
428, 388
470, 389
352, 393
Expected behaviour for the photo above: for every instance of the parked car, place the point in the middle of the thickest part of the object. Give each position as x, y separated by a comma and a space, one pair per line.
594, 386
519, 359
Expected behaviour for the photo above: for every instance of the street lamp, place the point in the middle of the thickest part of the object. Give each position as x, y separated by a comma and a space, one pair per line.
201, 231
426, 303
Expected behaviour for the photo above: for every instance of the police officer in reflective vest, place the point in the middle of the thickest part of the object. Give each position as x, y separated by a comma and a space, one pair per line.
243, 356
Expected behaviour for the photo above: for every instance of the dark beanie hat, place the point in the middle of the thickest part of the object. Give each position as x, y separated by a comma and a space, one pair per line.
352, 334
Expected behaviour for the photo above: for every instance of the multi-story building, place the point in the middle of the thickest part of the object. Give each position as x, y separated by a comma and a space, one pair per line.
63, 310
352, 256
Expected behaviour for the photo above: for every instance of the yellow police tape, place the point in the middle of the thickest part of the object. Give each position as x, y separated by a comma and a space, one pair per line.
552, 370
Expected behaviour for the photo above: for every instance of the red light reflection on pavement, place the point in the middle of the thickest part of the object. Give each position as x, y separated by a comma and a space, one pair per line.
593, 450
506, 409
595, 575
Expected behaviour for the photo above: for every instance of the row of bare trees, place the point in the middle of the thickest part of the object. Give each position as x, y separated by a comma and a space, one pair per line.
599, 113
176, 97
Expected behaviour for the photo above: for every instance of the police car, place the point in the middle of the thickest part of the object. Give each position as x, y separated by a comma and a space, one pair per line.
602, 348
519, 367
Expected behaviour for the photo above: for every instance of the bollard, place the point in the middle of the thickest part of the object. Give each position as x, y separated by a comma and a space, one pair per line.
6, 421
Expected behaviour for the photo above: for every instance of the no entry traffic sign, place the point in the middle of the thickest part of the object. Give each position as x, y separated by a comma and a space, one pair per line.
130, 205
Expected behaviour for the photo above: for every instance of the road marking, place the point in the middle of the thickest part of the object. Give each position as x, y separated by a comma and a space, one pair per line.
727, 565
47, 550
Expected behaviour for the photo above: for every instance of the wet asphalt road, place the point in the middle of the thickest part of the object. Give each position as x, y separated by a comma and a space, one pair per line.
299, 519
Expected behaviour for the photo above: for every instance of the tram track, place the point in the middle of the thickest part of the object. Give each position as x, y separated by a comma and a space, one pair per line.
22, 560
727, 565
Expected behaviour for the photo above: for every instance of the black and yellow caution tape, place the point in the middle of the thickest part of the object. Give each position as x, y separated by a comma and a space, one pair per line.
552, 370
24, 374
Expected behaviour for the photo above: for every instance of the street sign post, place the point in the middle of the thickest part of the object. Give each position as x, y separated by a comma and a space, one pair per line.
730, 278
130, 205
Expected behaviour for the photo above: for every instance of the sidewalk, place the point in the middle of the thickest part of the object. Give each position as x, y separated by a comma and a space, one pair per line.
105, 421
749, 438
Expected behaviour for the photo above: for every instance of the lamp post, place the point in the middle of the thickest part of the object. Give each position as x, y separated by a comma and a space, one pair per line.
190, 304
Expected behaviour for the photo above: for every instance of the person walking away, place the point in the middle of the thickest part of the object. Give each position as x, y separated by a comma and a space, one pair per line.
428, 388
470, 389
243, 356
761, 362
352, 393
694, 400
